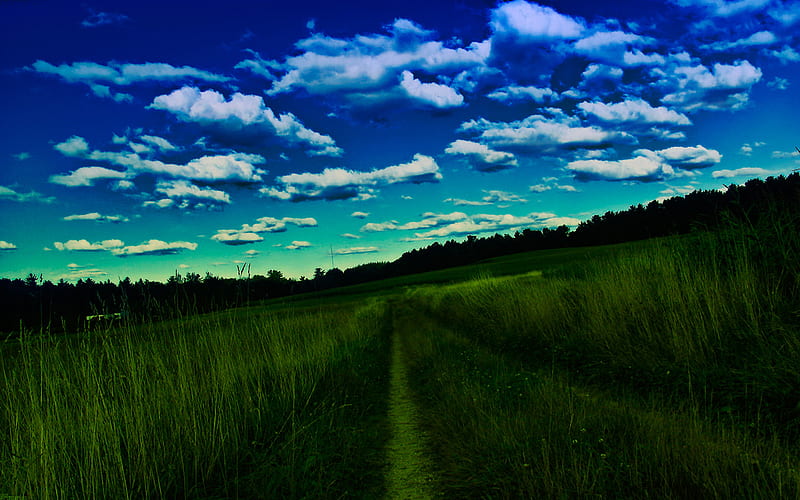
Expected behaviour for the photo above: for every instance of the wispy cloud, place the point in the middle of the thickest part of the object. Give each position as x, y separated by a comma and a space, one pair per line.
95, 216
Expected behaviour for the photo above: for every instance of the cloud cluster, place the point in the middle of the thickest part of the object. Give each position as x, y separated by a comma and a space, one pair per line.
241, 112
340, 184
461, 224
99, 77
232, 167
545, 133
646, 165
370, 69
493, 196
118, 248
251, 233
6, 246
187, 196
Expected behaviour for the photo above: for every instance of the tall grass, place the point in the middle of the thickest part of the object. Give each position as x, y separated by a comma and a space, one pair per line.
225, 404
670, 371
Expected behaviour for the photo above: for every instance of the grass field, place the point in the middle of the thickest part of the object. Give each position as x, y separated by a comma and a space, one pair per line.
661, 369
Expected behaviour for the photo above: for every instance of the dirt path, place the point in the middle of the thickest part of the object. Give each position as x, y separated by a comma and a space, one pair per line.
409, 475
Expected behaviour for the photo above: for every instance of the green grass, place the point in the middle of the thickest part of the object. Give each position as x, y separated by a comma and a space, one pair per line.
229, 405
670, 370
660, 369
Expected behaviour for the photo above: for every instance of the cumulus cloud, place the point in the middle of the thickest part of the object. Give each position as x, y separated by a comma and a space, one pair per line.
484, 223
492, 197
95, 216
355, 250
7, 193
360, 215
430, 94
251, 233
154, 247
481, 157
192, 196
785, 55
370, 69
233, 167
429, 219
339, 183
633, 111
530, 22
540, 132
694, 88
646, 165
513, 93
242, 111
6, 246
87, 176
86, 246
98, 77
297, 245
740, 172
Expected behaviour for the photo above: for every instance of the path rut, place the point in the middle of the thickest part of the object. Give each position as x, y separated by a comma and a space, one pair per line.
409, 474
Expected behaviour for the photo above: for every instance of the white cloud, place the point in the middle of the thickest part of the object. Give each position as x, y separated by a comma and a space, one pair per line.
785, 55
646, 165
6, 193
483, 223
21, 156
297, 245
690, 157
98, 77
431, 94
241, 112
756, 39
6, 246
86, 176
725, 8
158, 142
233, 167
339, 183
778, 83
95, 216
746, 171
633, 110
371, 68
521, 93
86, 246
351, 236
355, 250
639, 168
529, 22
482, 158
74, 146
184, 190
250, 233
154, 247
429, 219
694, 88
360, 215
537, 131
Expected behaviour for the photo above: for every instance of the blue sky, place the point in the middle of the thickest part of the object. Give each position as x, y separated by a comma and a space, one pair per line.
143, 138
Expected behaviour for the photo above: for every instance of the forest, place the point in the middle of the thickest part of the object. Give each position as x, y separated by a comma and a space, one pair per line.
39, 305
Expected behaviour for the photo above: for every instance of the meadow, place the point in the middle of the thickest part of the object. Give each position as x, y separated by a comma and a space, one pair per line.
667, 368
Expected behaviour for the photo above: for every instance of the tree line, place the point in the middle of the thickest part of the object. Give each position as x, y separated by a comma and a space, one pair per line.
40, 305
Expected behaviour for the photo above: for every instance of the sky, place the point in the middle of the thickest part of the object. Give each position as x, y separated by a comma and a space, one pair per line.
141, 139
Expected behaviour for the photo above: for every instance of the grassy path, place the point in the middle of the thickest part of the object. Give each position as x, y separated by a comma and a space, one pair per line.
409, 474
